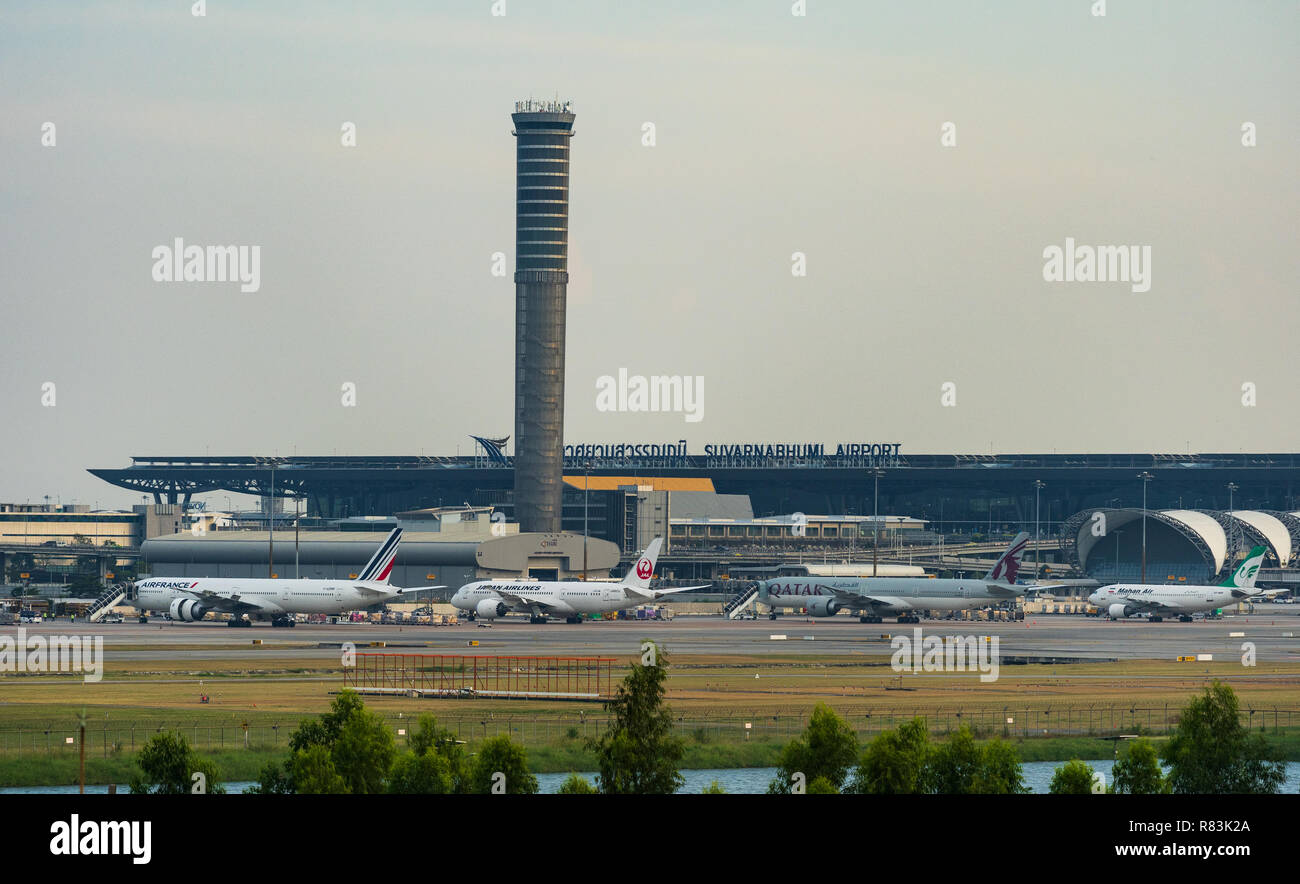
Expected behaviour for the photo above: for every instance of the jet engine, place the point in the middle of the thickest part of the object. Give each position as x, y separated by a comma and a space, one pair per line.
187, 609
490, 609
823, 606
1118, 611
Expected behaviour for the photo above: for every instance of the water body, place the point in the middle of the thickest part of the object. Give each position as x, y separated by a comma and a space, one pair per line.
737, 781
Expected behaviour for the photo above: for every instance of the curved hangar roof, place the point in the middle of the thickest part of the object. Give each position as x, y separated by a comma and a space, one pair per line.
1279, 531
1273, 530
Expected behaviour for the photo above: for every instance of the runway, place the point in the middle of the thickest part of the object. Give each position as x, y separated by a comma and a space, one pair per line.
1273, 633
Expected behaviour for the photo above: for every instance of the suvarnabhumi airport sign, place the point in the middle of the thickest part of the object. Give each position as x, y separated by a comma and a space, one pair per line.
840, 455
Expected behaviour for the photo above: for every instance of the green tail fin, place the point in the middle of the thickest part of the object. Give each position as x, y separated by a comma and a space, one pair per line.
1244, 576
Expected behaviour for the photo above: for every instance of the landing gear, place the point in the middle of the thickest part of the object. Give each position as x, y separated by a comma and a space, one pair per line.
1155, 618
871, 618
238, 622
144, 618
537, 618
908, 618
772, 616
576, 618
283, 622
1184, 618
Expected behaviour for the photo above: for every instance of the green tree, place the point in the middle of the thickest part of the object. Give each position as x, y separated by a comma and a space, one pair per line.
822, 786
638, 754
714, 788
424, 774
1137, 771
346, 749
167, 767
827, 749
312, 772
960, 766
1000, 772
501, 755
577, 785
364, 752
1211, 753
1075, 777
894, 763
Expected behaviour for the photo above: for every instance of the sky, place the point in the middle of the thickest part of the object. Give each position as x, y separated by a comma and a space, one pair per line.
923, 158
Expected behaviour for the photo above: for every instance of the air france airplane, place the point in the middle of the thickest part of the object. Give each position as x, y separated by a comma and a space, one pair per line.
1120, 600
899, 596
190, 598
540, 599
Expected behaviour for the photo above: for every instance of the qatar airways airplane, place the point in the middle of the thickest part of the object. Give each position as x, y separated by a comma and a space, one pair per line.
190, 598
900, 596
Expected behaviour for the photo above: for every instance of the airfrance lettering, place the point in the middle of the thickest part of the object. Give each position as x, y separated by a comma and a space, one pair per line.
169, 584
53, 653
953, 653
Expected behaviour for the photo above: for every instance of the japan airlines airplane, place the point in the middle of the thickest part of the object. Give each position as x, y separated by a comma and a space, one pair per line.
189, 598
540, 599
1120, 600
899, 596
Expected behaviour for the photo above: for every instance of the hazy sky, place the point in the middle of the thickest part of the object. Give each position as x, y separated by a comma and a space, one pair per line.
774, 134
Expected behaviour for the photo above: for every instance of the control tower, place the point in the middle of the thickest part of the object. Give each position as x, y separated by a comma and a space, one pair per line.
542, 132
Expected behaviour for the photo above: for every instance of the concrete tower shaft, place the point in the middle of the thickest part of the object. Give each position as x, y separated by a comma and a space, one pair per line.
542, 132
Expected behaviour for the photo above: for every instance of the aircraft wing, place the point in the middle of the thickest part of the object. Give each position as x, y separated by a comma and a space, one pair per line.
860, 600
515, 600
660, 593
1141, 605
1026, 588
224, 604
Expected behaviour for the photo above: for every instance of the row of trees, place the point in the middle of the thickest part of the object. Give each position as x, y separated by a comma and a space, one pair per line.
351, 750
825, 759
1210, 753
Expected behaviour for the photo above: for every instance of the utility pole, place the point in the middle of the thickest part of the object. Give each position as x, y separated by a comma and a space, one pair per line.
1145, 477
586, 487
1039, 485
270, 527
876, 472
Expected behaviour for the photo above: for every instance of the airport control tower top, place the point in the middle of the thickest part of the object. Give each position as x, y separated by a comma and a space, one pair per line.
542, 130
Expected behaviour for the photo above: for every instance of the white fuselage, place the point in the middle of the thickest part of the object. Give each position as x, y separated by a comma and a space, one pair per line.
269, 596
1182, 599
564, 597
886, 594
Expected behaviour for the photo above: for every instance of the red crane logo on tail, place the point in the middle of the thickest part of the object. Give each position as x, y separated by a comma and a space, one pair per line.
644, 569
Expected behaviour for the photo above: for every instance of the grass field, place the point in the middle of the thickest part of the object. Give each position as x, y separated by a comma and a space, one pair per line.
1056, 712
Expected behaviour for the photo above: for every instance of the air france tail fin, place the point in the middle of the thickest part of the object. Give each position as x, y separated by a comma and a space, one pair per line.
1008, 567
639, 575
1244, 576
381, 563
